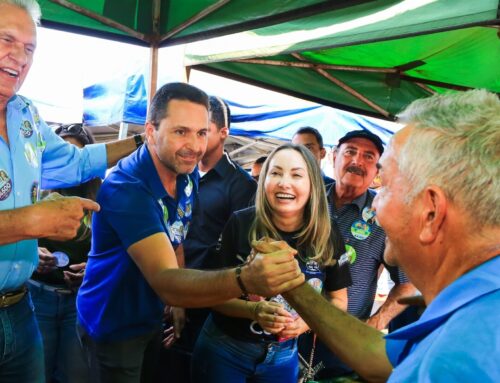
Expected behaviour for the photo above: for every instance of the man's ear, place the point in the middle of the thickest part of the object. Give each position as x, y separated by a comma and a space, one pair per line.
224, 132
434, 205
148, 130
322, 153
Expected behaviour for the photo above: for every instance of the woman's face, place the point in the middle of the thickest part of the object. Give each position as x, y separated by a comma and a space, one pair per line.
287, 184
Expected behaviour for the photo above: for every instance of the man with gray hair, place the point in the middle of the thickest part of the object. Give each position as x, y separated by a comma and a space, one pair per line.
439, 206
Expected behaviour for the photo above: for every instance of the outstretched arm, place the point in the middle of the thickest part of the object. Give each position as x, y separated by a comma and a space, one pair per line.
358, 345
266, 275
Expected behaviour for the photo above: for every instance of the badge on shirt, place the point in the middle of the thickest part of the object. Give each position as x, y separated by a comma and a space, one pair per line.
189, 187
40, 142
360, 229
30, 154
34, 192
5, 185
368, 215
312, 266
350, 255
26, 129
316, 284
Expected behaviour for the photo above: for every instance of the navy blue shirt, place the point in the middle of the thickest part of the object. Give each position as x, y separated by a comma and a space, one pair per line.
365, 244
223, 190
235, 248
115, 301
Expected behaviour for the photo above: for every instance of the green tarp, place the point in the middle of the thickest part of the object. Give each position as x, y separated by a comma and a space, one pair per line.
165, 22
373, 58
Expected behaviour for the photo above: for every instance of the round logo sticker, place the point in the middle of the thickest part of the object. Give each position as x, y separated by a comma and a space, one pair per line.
62, 259
360, 229
26, 129
368, 215
30, 154
350, 253
5, 185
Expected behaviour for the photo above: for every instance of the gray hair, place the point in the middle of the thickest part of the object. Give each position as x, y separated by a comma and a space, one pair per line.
30, 6
458, 135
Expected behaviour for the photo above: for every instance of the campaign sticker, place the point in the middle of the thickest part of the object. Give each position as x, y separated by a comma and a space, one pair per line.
360, 229
5, 185
316, 284
34, 192
368, 215
40, 142
189, 188
188, 210
350, 254
26, 129
178, 231
30, 154
180, 212
312, 266
62, 259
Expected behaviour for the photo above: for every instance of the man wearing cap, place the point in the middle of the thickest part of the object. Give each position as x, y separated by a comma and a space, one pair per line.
350, 201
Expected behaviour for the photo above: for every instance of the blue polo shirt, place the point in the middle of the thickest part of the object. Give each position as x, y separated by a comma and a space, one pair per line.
457, 339
115, 302
223, 190
365, 244
35, 158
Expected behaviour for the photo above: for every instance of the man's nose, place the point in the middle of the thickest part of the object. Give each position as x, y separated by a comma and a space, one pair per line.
18, 53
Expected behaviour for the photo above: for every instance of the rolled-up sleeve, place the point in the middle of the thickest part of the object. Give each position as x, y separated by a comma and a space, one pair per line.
65, 165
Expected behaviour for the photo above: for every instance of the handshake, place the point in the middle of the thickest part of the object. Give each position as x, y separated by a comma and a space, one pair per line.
272, 268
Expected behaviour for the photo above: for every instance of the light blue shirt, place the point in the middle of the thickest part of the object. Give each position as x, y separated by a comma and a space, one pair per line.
36, 158
457, 339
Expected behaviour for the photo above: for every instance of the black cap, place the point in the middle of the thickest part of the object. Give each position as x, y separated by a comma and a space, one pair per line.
364, 134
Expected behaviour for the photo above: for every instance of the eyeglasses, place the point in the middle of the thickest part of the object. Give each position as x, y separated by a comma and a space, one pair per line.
76, 130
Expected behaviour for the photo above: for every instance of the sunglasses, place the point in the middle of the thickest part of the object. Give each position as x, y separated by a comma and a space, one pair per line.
75, 130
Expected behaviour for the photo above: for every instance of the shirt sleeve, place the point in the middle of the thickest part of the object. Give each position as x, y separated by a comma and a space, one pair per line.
65, 165
132, 214
242, 194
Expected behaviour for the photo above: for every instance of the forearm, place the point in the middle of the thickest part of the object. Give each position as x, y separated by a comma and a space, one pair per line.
195, 288
358, 345
237, 308
116, 150
17, 225
391, 308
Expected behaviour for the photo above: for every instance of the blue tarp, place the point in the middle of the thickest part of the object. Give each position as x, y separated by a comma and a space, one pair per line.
126, 101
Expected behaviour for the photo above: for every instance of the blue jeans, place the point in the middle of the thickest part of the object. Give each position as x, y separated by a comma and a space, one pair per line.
56, 315
218, 357
21, 349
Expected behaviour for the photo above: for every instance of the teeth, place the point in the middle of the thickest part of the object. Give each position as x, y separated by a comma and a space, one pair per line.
283, 195
12, 72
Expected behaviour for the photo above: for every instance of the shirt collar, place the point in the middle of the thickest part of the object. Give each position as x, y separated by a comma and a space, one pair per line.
479, 281
360, 201
18, 102
148, 173
224, 165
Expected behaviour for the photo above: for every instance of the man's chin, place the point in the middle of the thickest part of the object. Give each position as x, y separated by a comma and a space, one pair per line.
389, 258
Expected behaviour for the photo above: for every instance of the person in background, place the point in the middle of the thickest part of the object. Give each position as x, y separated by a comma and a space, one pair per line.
312, 139
132, 270
256, 339
257, 167
224, 188
54, 284
32, 156
442, 219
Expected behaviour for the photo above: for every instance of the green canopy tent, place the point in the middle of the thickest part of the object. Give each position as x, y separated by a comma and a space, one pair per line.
158, 23
372, 58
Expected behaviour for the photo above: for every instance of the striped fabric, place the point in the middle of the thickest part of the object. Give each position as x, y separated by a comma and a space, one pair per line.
369, 252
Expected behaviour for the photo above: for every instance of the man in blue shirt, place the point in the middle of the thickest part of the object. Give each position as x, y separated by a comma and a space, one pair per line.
311, 138
146, 208
224, 188
32, 156
439, 206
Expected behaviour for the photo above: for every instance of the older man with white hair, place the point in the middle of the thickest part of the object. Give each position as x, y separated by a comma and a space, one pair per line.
439, 205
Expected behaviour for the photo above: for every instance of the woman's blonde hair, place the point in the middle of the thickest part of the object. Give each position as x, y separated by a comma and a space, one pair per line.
314, 238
